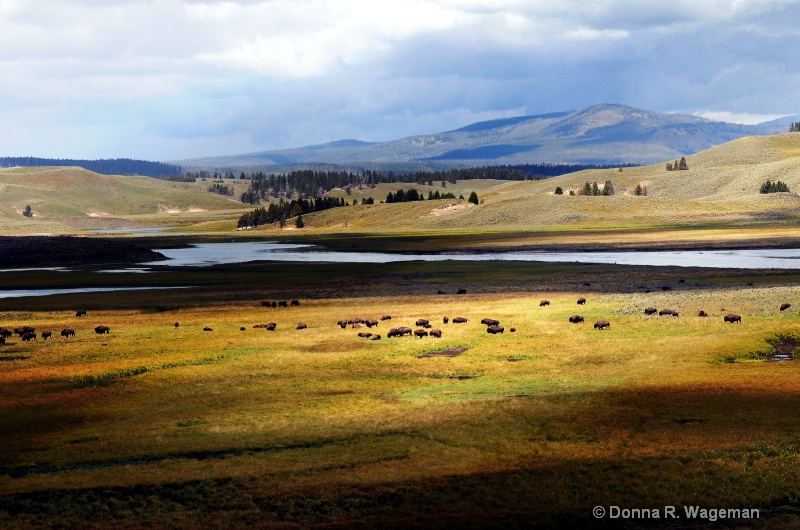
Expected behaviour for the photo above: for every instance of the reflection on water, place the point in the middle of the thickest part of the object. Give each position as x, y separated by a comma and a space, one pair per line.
221, 253
46, 292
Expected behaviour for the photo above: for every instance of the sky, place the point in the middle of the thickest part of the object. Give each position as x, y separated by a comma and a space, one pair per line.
176, 79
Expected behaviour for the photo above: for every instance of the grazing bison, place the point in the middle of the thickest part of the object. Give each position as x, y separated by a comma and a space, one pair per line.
23, 330
664, 312
495, 329
544, 303
386, 317
274, 304
461, 291
419, 333
365, 334
283, 303
67, 332
490, 322
28, 336
602, 324
513, 330
5, 332
702, 314
301, 325
207, 329
46, 335
271, 326
576, 319
404, 330
784, 307
2, 340
375, 337
371, 323
102, 329
421, 322
266, 304
242, 328
295, 302
393, 333
461, 320
650, 310
342, 324
445, 320
81, 313
436, 333
732, 317
581, 301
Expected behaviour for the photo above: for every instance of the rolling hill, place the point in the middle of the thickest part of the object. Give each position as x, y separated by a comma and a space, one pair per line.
61, 192
598, 134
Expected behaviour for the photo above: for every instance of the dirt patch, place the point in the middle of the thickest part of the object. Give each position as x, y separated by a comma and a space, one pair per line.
452, 352
513, 360
784, 346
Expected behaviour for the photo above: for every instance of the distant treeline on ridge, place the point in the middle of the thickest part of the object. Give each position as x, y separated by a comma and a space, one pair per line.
116, 166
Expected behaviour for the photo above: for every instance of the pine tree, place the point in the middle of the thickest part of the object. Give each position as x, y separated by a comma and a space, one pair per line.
682, 165
608, 189
28, 212
595, 189
298, 223
559, 191
473, 198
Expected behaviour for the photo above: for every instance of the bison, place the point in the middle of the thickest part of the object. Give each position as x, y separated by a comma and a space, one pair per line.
581, 301
283, 303
461, 291
436, 333
207, 329
81, 313
23, 330
544, 303
784, 307
177, 324
271, 326
490, 322
650, 310
495, 329
732, 317
461, 320
364, 334
295, 302
102, 329
46, 335
421, 322
513, 330
371, 323
386, 317
375, 337
602, 324
664, 312
28, 336
266, 304
439, 291
702, 314
342, 323
576, 319
301, 325
419, 333
5, 332
242, 328
393, 333
445, 320
2, 340
666, 288
67, 332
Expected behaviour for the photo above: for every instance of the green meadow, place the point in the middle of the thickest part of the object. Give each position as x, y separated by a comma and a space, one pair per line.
155, 425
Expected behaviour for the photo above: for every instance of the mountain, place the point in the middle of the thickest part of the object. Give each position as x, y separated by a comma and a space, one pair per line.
598, 134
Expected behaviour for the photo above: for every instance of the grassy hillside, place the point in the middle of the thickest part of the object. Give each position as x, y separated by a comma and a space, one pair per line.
720, 187
76, 192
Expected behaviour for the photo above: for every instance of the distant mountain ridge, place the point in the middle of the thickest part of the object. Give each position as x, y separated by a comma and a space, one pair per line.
597, 134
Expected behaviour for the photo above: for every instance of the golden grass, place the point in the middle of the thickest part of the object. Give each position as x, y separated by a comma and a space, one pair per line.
300, 414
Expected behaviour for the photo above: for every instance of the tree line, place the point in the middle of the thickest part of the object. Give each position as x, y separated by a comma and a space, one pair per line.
794, 126
282, 210
115, 166
774, 186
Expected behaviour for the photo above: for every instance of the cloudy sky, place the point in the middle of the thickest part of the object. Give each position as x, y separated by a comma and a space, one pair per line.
174, 79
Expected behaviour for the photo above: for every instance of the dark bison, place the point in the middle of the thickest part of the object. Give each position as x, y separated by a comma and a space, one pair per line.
274, 304
271, 326
439, 291
581, 301
513, 330
386, 317
393, 333
421, 322
266, 304
784, 307
375, 337
650, 310
461, 320
490, 322
301, 325
177, 324
23, 330
2, 340
295, 302
342, 323
666, 288
102, 329
28, 336
283, 303
204, 329
495, 329
437, 333
664, 312
544, 303
81, 313
602, 324
576, 319
242, 328
461, 291
364, 334
702, 314
5, 332
732, 317
46, 335
419, 333
371, 323
445, 320
67, 332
